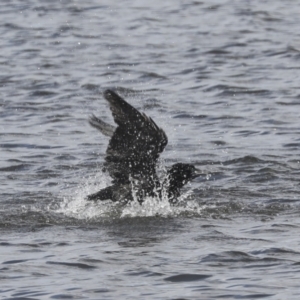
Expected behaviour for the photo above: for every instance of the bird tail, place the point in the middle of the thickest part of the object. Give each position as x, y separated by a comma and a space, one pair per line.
104, 194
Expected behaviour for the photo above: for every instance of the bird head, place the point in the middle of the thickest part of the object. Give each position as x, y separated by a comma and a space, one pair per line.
180, 174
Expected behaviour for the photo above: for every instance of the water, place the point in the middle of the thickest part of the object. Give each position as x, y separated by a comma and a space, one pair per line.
222, 79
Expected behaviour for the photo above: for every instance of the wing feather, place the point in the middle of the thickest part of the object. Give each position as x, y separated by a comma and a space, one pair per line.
135, 144
103, 127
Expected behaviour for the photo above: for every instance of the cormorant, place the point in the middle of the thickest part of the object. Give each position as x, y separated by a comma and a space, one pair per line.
132, 154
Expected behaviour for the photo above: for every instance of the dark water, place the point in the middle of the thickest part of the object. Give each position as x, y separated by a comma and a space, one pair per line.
222, 78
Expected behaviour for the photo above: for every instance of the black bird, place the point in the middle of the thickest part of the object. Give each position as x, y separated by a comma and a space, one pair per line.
132, 155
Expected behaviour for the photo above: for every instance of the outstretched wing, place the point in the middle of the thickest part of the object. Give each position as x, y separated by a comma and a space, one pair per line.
136, 143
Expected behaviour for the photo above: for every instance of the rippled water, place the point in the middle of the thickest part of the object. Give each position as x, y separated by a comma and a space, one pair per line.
222, 78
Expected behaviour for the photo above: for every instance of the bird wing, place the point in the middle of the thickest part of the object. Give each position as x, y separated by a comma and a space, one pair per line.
136, 143
103, 127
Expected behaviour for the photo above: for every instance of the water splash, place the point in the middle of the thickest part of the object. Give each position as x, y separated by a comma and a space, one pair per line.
152, 207
75, 205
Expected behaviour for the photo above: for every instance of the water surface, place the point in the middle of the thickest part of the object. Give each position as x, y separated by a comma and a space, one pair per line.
222, 79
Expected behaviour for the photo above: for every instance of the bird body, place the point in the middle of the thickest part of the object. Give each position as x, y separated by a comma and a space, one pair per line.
132, 154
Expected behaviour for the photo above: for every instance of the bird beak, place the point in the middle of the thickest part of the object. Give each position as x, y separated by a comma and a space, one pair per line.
196, 173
